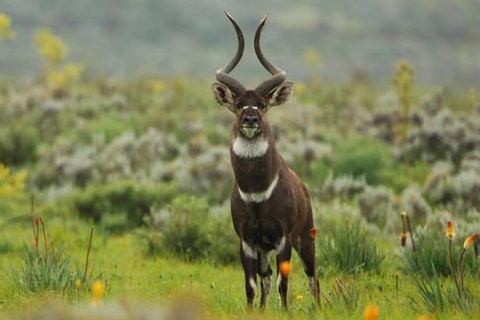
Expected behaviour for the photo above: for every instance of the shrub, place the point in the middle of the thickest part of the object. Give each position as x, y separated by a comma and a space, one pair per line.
348, 247
185, 231
18, 145
190, 230
415, 204
401, 176
376, 205
123, 198
344, 187
362, 157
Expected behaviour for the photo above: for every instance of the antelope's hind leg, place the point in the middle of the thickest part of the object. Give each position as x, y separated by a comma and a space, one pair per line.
306, 250
249, 262
284, 255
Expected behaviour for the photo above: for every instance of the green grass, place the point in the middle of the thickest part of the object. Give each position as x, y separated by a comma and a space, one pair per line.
159, 236
139, 278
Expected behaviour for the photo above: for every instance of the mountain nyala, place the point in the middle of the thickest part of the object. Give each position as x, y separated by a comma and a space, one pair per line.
270, 205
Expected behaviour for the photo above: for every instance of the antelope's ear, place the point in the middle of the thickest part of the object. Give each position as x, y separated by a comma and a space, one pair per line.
280, 95
223, 95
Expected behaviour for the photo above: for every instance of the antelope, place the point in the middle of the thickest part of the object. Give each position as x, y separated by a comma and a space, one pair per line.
270, 205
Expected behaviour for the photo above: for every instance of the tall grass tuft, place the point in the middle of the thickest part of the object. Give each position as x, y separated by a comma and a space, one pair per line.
344, 294
432, 250
433, 297
436, 296
348, 247
42, 273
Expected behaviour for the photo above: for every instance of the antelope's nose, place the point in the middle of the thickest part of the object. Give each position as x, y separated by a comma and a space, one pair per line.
250, 120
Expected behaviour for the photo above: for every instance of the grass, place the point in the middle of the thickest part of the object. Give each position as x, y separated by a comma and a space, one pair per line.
129, 274
154, 241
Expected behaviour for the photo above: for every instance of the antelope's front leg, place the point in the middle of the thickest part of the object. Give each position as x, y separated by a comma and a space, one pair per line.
248, 255
284, 255
265, 273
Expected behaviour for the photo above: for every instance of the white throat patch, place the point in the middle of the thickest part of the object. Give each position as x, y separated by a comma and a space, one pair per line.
259, 196
245, 148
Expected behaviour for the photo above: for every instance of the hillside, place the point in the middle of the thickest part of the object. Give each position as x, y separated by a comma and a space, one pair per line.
150, 37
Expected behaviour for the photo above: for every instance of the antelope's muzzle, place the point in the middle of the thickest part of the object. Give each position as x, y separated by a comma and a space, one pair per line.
250, 125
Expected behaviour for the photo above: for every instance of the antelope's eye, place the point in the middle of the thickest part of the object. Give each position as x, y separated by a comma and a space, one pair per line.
239, 106
261, 106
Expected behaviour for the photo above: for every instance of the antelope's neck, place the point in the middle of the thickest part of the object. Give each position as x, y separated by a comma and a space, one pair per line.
256, 163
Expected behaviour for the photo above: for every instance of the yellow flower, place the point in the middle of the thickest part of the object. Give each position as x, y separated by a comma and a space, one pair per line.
5, 26
423, 317
299, 298
11, 183
4, 171
56, 79
450, 230
470, 241
371, 312
300, 88
78, 283
72, 71
97, 292
50, 46
313, 57
471, 96
156, 85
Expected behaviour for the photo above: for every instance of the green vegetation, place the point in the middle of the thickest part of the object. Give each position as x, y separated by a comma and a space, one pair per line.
146, 163
157, 193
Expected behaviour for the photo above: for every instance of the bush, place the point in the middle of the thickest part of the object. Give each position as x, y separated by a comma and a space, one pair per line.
377, 205
124, 198
344, 187
190, 230
185, 229
18, 145
362, 157
348, 247
401, 176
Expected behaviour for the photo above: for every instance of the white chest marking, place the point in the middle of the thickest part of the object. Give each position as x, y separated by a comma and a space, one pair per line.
259, 196
245, 148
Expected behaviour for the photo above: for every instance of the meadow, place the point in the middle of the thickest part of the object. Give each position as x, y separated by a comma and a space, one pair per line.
394, 173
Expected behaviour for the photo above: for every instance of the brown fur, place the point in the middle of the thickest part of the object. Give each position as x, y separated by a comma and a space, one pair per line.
284, 219
287, 213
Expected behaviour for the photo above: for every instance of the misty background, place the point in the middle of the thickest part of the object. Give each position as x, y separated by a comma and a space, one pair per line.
125, 38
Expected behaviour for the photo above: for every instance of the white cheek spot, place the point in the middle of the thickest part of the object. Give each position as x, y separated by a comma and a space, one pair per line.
253, 285
259, 196
281, 245
249, 251
245, 148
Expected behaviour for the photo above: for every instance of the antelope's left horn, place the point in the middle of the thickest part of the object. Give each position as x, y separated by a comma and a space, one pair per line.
222, 74
278, 75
